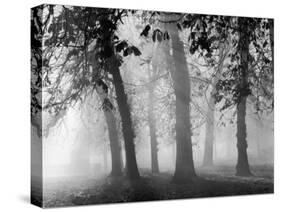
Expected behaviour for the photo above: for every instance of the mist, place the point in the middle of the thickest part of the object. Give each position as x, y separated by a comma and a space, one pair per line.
140, 105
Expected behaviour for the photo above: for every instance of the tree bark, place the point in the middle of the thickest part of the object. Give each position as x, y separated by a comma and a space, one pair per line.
242, 167
184, 170
208, 159
127, 127
152, 129
259, 129
116, 169
116, 166
209, 137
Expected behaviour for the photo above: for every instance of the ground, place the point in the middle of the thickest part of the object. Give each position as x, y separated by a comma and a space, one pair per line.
216, 181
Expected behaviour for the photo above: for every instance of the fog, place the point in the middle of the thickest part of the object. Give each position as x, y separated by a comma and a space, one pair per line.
71, 149
127, 105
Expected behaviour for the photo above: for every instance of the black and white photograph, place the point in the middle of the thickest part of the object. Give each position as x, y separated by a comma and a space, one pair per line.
137, 105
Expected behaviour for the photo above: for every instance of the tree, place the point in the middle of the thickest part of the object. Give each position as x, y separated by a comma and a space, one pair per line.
107, 107
208, 159
152, 122
131, 164
244, 74
244, 77
184, 170
87, 36
242, 167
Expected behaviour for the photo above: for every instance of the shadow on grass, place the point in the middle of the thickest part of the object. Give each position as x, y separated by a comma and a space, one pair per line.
149, 189
156, 187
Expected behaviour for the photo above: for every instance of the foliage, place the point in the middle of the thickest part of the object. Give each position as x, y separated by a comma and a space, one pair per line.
77, 45
217, 29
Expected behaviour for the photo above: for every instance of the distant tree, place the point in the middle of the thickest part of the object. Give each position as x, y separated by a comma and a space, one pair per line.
151, 119
184, 170
208, 159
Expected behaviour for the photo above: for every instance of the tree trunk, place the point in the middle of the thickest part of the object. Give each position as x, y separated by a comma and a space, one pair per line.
242, 167
105, 166
115, 149
184, 170
127, 127
151, 123
259, 138
116, 169
209, 138
208, 159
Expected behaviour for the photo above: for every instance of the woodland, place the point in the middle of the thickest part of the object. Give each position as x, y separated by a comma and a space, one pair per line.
134, 105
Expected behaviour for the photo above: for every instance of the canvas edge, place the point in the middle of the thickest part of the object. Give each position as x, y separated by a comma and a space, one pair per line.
36, 175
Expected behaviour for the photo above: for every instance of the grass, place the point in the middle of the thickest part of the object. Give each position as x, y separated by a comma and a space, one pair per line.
218, 181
